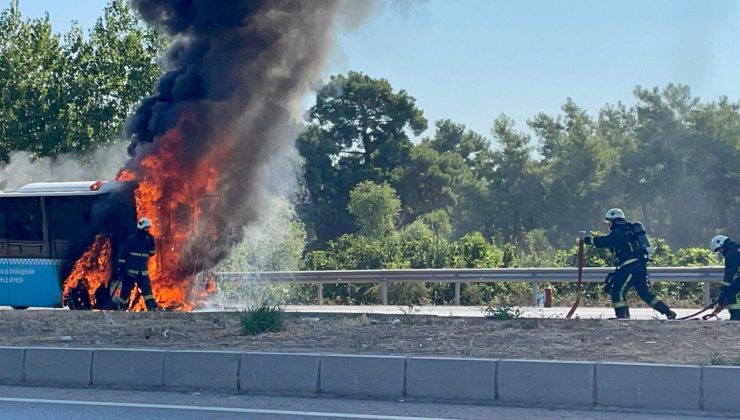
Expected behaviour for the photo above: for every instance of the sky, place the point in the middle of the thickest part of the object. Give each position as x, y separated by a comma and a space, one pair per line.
472, 60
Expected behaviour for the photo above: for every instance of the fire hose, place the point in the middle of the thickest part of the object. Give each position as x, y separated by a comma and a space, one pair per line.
704, 309
579, 286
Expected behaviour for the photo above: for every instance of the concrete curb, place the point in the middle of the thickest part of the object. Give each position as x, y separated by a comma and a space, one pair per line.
363, 376
489, 381
546, 382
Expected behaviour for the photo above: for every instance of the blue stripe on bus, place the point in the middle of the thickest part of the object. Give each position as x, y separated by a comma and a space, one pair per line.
30, 282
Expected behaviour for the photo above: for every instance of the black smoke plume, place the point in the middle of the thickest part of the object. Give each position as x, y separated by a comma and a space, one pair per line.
233, 72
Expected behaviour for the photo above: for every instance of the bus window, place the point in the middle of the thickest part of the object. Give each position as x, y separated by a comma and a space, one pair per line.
70, 224
25, 232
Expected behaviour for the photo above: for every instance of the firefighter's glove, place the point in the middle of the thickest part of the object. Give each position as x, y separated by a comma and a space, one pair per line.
588, 240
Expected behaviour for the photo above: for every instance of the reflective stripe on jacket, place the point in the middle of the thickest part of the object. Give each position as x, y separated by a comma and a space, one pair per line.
135, 253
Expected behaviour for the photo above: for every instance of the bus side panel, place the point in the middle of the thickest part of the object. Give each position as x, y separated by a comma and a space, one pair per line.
34, 282
4, 282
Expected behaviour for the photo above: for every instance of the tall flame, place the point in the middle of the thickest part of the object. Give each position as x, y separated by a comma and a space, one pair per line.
168, 194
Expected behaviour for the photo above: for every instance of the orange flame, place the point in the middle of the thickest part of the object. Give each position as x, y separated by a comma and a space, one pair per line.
169, 193
94, 265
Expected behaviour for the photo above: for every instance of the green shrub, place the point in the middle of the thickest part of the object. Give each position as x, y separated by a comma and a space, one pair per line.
408, 294
265, 318
441, 293
480, 293
502, 312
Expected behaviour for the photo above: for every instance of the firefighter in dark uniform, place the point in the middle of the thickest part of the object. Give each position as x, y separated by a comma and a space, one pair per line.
133, 265
727, 249
629, 244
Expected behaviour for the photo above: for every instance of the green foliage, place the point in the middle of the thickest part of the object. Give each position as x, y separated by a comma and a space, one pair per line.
430, 179
408, 294
439, 221
688, 257
641, 158
356, 252
375, 208
510, 258
262, 319
501, 311
441, 293
70, 93
535, 250
359, 132
473, 251
421, 248
514, 180
577, 163
480, 293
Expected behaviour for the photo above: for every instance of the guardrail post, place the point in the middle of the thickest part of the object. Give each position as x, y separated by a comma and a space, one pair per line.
320, 293
534, 293
706, 292
457, 293
384, 291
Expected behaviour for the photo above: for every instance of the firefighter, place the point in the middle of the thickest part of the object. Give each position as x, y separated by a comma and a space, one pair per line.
727, 249
133, 265
631, 248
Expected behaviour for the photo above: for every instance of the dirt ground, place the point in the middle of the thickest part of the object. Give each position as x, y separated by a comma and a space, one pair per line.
683, 342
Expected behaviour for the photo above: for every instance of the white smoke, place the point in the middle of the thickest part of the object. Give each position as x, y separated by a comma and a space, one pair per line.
274, 243
22, 168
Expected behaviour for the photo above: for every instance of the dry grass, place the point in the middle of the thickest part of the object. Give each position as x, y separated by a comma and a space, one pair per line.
688, 342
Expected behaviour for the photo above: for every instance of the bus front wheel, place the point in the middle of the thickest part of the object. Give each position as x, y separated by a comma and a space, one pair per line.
19, 308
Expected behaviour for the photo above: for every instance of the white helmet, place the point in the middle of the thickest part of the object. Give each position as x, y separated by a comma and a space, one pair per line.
614, 214
144, 223
717, 242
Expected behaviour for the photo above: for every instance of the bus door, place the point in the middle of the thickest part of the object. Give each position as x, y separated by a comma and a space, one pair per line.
33, 277
72, 228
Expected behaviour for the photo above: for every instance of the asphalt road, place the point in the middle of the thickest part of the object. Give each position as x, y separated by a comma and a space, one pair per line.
51, 403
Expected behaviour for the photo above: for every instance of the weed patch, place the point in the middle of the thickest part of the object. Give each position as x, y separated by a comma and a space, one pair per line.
265, 318
502, 311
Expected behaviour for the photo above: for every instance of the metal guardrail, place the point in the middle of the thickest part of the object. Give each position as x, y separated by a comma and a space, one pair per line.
534, 276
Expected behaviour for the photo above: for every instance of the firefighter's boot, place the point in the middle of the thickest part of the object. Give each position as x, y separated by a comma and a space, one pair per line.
734, 314
622, 313
664, 309
151, 304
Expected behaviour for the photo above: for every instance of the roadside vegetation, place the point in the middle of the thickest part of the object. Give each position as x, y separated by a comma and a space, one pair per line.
262, 319
379, 189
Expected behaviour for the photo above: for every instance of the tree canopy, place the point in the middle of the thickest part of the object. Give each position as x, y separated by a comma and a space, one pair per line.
68, 93
670, 161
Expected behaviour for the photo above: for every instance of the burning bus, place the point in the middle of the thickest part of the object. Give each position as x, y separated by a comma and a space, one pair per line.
55, 235
200, 149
